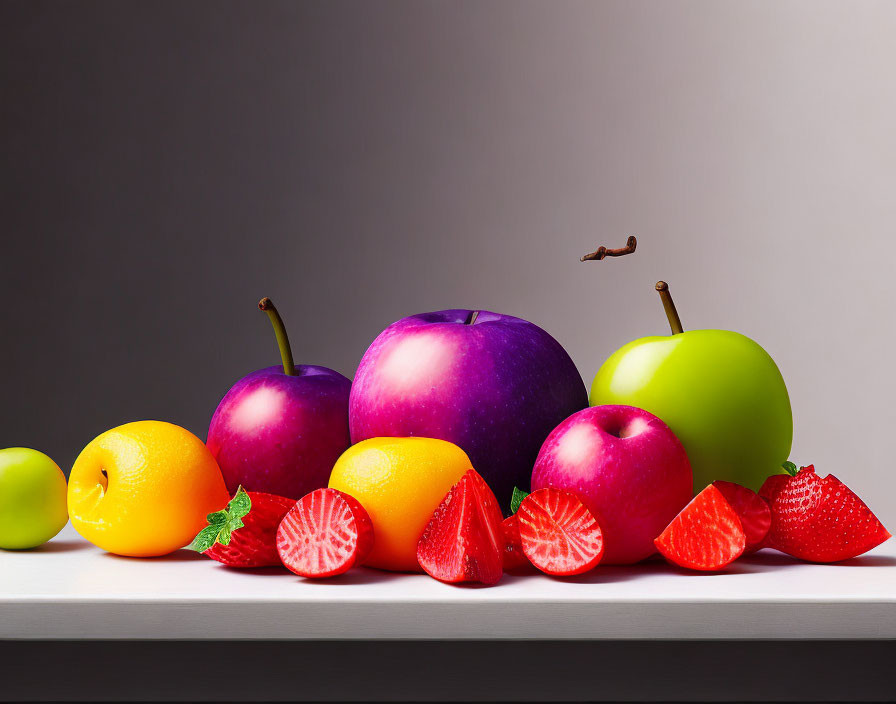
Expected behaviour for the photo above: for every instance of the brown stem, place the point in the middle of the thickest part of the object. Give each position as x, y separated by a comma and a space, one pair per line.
471, 318
671, 313
630, 244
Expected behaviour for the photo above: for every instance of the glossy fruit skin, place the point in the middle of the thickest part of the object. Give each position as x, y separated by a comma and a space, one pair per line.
255, 544
706, 536
772, 485
719, 391
752, 510
400, 482
32, 498
514, 557
633, 485
495, 388
464, 539
325, 534
162, 483
819, 519
559, 535
281, 434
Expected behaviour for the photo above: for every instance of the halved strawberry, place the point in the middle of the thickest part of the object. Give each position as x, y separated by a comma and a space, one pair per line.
706, 535
822, 520
244, 534
326, 533
464, 541
560, 536
513, 554
752, 510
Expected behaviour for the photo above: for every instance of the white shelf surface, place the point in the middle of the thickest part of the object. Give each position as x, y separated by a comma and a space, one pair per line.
68, 589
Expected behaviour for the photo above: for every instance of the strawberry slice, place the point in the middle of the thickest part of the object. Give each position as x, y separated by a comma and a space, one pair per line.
752, 510
244, 534
706, 535
822, 520
326, 533
464, 541
514, 557
560, 536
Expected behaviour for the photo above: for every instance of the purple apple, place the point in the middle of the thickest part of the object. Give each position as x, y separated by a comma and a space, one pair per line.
281, 429
627, 467
493, 384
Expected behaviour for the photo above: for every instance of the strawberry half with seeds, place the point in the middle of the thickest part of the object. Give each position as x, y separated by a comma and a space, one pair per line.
752, 510
560, 536
464, 540
245, 533
326, 533
706, 535
822, 520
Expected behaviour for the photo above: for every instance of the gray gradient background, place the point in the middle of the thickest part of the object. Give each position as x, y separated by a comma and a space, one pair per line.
164, 165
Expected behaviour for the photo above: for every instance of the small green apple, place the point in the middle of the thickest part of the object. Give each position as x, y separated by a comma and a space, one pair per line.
32, 498
719, 392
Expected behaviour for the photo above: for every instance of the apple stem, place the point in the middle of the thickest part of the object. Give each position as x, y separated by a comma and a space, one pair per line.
671, 313
601, 252
472, 317
267, 305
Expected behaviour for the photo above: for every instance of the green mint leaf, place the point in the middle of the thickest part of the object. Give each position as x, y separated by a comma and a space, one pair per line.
221, 524
790, 468
517, 499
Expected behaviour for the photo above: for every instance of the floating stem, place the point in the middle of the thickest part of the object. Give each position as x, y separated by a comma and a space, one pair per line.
601, 252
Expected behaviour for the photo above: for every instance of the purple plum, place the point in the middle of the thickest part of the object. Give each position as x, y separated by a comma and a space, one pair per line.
493, 384
281, 429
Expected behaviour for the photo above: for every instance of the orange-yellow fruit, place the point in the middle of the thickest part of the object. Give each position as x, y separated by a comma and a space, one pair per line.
144, 489
400, 482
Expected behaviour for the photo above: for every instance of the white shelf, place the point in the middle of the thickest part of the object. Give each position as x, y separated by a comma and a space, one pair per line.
71, 590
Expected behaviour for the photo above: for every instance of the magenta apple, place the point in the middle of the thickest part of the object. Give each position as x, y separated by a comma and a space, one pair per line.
493, 384
628, 468
281, 429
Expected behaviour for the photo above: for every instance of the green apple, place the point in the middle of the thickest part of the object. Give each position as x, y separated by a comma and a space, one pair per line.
32, 498
719, 392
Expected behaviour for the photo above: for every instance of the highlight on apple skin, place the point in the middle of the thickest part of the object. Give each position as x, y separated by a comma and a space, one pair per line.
280, 430
493, 384
628, 468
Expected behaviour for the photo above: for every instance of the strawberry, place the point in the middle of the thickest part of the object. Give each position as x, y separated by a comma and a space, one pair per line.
822, 520
772, 485
244, 533
513, 554
560, 536
753, 512
706, 535
326, 533
464, 541
775, 482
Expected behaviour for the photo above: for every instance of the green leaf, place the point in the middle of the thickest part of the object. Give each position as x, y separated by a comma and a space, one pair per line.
517, 499
221, 524
790, 468
205, 539
217, 518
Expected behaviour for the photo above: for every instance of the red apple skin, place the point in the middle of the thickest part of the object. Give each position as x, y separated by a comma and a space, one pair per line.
628, 468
